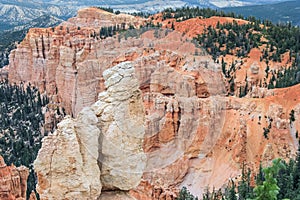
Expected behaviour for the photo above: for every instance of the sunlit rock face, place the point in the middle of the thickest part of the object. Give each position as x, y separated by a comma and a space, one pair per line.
65, 167
101, 148
194, 135
121, 118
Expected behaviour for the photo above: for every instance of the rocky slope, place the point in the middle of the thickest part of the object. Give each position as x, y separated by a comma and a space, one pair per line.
13, 181
245, 71
194, 135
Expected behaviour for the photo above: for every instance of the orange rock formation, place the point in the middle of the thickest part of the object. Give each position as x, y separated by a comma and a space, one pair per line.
195, 135
13, 181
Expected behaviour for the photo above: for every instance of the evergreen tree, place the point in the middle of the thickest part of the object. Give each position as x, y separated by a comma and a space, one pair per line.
296, 173
260, 176
21, 122
244, 188
232, 192
269, 189
292, 116
223, 66
184, 194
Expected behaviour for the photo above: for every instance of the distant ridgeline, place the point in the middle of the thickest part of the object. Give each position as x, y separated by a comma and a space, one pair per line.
22, 111
282, 12
111, 10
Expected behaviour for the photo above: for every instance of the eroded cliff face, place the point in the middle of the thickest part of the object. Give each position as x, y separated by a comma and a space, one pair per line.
195, 136
13, 181
101, 148
66, 61
240, 139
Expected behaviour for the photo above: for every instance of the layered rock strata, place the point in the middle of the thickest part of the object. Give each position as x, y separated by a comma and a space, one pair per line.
195, 136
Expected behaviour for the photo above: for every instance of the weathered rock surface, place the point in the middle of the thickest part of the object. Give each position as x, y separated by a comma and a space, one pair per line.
4, 73
191, 128
56, 60
68, 63
66, 164
121, 117
13, 181
116, 196
106, 137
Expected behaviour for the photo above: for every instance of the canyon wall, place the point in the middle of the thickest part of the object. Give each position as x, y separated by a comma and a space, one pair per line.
66, 61
194, 135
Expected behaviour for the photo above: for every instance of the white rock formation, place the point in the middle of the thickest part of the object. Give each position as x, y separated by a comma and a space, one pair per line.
121, 115
66, 168
107, 136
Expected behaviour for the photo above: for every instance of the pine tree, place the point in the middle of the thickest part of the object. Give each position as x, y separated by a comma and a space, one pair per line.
232, 192
244, 189
223, 66
269, 189
292, 116
184, 194
296, 172
260, 176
